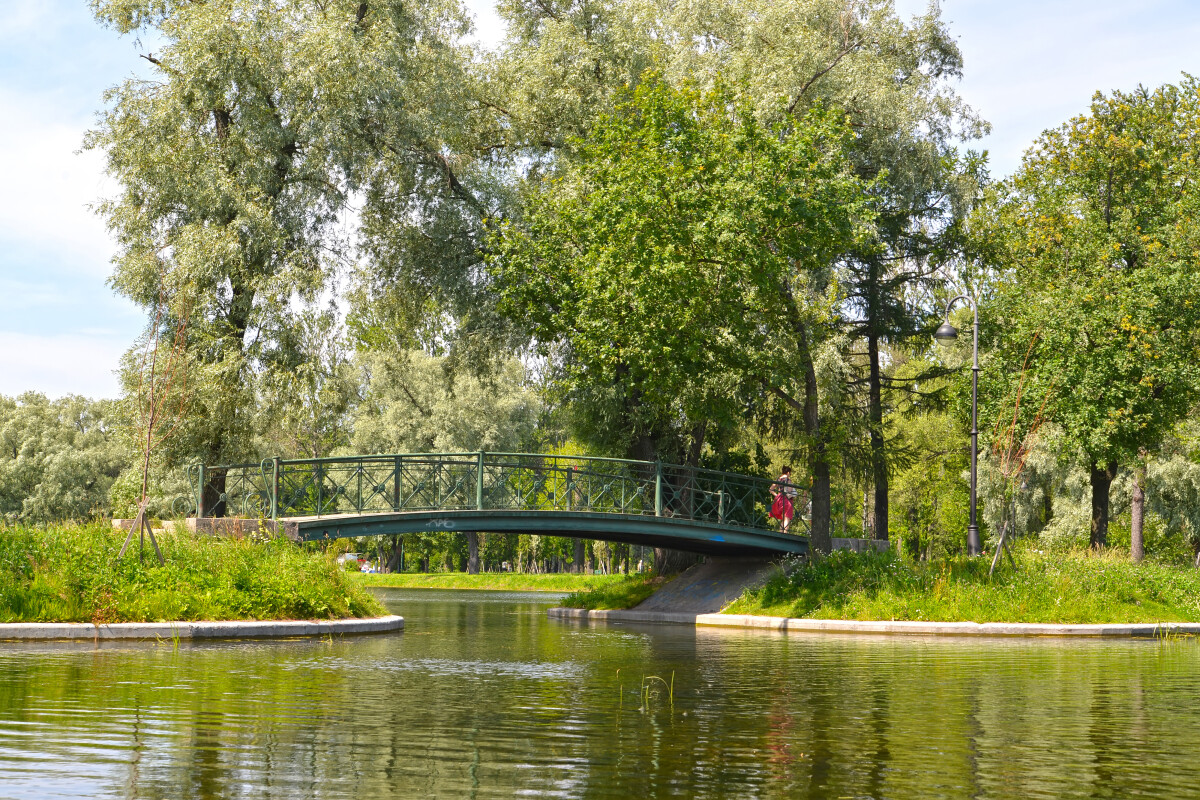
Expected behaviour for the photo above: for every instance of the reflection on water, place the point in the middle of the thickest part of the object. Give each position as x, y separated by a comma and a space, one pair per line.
482, 696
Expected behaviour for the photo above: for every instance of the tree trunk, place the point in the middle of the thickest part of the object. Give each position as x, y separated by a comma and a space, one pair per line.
818, 536
579, 557
1137, 512
1102, 479
393, 563
472, 553
878, 456
214, 487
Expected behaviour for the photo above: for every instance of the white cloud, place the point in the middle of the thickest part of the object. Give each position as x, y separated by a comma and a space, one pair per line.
49, 186
489, 28
61, 364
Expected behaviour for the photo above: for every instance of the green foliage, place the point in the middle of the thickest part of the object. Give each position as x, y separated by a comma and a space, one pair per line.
1070, 587
309, 400
929, 497
1101, 291
673, 257
626, 592
416, 403
235, 163
70, 573
58, 458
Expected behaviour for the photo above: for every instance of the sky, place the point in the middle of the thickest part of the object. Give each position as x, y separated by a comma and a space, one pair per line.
1029, 65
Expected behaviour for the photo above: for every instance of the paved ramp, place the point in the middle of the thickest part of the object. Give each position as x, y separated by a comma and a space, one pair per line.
709, 587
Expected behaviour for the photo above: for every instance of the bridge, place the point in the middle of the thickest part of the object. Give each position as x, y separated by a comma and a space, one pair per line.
639, 502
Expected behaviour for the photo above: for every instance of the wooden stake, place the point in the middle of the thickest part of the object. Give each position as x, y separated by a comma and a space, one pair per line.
141, 524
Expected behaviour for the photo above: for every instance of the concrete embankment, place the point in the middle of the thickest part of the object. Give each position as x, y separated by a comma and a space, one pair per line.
231, 629
637, 615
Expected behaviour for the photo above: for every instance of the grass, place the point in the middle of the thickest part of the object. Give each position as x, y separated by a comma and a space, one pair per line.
1073, 587
502, 581
625, 593
70, 573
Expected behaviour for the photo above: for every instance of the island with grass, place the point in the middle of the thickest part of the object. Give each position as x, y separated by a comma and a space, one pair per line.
72, 573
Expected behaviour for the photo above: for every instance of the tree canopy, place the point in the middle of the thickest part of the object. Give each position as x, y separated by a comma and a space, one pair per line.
1098, 308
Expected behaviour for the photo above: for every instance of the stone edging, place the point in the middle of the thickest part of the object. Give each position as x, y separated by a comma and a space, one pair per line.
232, 629
854, 626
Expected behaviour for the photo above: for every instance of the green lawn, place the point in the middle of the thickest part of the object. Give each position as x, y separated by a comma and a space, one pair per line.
70, 573
1076, 587
625, 593
502, 581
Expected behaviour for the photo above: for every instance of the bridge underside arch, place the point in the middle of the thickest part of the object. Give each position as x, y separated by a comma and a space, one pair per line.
677, 534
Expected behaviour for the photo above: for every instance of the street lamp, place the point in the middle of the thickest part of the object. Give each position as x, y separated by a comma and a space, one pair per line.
948, 331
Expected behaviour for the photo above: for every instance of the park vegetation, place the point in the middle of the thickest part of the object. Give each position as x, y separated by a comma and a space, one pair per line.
1077, 586
712, 233
68, 573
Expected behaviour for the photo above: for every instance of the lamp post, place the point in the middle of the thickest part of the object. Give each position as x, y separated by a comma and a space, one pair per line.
948, 331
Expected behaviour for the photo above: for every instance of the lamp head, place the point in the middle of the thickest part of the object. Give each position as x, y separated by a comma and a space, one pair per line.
946, 331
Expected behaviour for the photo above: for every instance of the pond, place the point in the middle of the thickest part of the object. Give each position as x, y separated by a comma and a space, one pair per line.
483, 696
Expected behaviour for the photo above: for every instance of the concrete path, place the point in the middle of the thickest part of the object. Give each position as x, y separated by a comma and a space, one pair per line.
709, 586
899, 627
234, 629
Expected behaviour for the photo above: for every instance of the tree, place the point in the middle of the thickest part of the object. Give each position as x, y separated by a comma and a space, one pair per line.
1101, 288
58, 458
566, 63
413, 403
307, 403
236, 163
685, 246
894, 81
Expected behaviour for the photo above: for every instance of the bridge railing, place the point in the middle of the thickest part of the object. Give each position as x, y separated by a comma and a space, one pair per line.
482, 481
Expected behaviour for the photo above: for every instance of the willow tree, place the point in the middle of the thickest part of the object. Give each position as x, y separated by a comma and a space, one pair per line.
1101, 299
237, 159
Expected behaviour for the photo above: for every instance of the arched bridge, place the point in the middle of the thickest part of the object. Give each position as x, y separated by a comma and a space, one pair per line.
640, 502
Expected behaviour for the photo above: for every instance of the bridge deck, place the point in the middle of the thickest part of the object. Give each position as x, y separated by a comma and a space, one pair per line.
650, 531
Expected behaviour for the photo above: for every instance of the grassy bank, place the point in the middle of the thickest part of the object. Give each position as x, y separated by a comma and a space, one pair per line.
70, 573
1077, 587
625, 593
499, 581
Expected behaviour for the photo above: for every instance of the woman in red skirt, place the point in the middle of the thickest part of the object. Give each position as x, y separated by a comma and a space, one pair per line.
784, 492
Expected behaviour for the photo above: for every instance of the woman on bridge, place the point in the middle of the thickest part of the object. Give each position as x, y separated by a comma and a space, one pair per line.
784, 492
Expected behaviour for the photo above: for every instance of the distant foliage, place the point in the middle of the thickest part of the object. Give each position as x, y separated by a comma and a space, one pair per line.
413, 403
58, 458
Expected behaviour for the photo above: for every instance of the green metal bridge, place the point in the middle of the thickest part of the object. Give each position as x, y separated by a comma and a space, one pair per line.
640, 502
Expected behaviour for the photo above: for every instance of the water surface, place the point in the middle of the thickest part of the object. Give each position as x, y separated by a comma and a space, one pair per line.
483, 696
